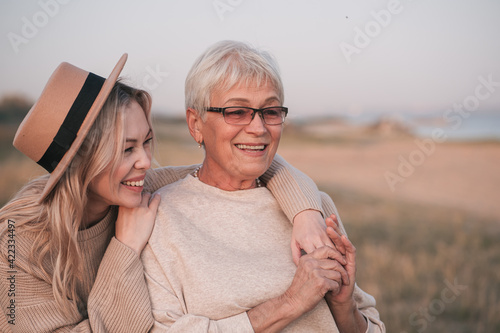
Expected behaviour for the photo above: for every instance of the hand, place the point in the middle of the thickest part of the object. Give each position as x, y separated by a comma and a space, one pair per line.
317, 274
309, 233
344, 297
335, 235
342, 305
135, 225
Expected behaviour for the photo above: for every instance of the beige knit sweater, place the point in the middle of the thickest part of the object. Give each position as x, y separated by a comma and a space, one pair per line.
118, 300
216, 254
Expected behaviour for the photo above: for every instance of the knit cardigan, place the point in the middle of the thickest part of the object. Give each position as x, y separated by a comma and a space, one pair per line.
114, 292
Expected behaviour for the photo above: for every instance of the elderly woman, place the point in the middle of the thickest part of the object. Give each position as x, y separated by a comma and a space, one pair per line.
218, 258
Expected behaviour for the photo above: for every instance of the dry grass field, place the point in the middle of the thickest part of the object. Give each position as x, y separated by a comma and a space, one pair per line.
428, 247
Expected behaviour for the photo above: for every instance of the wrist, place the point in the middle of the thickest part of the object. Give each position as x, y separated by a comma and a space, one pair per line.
306, 215
290, 306
274, 315
348, 317
131, 245
343, 308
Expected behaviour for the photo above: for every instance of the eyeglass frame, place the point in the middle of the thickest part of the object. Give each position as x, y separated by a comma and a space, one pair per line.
223, 111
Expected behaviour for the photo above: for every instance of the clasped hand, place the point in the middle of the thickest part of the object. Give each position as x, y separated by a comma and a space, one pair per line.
325, 272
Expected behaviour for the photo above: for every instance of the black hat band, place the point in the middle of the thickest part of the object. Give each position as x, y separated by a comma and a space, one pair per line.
72, 122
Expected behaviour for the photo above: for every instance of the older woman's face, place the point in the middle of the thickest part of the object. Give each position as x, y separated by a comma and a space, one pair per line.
241, 152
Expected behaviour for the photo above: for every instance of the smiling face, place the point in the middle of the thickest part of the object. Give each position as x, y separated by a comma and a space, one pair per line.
124, 186
236, 154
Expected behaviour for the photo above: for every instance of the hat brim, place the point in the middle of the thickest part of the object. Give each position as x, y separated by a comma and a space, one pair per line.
85, 127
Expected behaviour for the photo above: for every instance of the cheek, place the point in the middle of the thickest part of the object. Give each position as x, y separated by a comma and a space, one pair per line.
221, 137
276, 134
123, 170
100, 186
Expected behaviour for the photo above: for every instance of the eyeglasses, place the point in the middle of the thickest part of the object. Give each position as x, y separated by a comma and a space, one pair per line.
241, 115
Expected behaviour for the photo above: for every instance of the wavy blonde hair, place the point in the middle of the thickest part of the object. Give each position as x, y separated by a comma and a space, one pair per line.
56, 221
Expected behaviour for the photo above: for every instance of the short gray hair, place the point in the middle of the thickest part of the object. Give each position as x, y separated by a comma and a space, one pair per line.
226, 64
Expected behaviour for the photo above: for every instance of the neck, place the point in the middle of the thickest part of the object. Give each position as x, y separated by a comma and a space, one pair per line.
225, 183
94, 215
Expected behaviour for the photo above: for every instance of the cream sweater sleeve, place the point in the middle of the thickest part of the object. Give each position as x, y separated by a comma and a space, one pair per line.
159, 177
294, 191
366, 302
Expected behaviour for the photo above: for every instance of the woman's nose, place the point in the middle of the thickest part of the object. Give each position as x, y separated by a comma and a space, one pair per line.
257, 125
143, 160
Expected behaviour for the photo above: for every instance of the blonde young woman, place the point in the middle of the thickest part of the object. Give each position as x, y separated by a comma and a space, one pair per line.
69, 257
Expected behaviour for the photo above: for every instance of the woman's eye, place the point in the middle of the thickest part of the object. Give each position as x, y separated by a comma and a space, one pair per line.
236, 112
129, 150
148, 141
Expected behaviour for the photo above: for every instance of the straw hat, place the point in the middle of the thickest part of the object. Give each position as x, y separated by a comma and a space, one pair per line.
55, 127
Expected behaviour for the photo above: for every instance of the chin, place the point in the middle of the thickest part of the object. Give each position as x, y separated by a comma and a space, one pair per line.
130, 202
256, 171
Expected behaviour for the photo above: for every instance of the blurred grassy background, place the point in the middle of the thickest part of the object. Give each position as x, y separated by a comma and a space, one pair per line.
430, 268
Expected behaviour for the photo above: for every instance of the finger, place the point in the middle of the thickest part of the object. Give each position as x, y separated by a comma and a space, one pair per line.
333, 220
334, 276
333, 224
338, 256
308, 247
145, 198
296, 254
155, 202
324, 240
326, 252
333, 285
334, 266
350, 249
350, 257
336, 239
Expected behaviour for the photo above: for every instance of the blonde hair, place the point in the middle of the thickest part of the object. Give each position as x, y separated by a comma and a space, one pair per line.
57, 220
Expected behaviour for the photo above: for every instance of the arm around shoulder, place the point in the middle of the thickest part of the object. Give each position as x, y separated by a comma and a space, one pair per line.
294, 190
159, 177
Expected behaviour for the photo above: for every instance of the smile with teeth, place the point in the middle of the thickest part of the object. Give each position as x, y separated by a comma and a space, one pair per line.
246, 147
137, 183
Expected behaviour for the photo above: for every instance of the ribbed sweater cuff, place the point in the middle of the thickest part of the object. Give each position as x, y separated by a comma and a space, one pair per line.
119, 259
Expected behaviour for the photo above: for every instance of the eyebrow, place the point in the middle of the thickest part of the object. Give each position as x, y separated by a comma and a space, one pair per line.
244, 100
135, 140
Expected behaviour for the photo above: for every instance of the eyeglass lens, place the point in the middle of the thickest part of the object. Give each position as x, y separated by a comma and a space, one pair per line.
243, 116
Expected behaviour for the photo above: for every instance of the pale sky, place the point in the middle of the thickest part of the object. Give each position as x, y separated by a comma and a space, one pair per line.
415, 56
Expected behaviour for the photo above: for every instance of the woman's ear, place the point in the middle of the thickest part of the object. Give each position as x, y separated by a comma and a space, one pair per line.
195, 124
